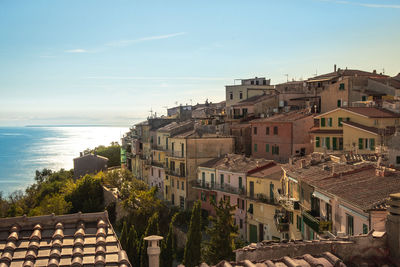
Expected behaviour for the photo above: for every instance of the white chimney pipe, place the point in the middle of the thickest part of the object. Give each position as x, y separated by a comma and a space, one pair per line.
153, 250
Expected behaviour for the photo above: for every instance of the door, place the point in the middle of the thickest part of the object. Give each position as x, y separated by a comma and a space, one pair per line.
253, 233
260, 232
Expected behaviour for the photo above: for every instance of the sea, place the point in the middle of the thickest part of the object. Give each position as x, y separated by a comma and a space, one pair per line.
23, 150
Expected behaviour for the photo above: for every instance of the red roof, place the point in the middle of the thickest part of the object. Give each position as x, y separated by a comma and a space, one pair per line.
371, 112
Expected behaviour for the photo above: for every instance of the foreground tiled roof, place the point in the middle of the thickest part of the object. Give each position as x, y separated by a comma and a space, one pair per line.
286, 117
67, 240
372, 112
236, 163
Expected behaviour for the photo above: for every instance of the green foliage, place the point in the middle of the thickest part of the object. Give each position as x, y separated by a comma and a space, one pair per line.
123, 239
112, 213
192, 254
132, 247
87, 196
152, 229
222, 234
168, 247
112, 152
115, 178
52, 204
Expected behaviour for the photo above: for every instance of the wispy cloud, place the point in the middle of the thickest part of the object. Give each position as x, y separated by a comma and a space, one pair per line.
78, 50
122, 43
374, 5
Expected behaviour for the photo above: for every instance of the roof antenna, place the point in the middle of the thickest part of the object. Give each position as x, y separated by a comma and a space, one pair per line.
316, 72
287, 77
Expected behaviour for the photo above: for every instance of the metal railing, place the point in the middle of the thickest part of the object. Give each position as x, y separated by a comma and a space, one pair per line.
175, 154
262, 198
318, 224
175, 173
287, 202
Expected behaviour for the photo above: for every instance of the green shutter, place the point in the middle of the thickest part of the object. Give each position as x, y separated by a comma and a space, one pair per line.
372, 144
334, 143
327, 143
255, 147
277, 150
340, 122
267, 148
360, 143
322, 122
339, 103
330, 122
317, 141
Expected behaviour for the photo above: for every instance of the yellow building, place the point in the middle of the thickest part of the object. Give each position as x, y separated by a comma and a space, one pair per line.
357, 129
262, 204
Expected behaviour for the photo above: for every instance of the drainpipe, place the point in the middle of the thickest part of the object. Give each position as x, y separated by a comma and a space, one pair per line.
153, 250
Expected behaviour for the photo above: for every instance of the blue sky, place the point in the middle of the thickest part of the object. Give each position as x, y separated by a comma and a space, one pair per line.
109, 62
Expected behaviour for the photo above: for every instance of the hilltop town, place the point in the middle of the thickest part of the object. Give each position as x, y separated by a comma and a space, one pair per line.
303, 173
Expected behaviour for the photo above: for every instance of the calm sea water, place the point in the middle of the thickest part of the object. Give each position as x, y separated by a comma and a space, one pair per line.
26, 149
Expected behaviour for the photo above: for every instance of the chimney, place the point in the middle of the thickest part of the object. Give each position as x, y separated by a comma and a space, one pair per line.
81, 154
303, 163
153, 250
334, 68
333, 169
393, 225
374, 71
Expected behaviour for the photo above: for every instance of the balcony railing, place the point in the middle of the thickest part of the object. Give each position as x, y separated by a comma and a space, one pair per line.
158, 147
175, 173
316, 223
281, 222
230, 189
262, 198
175, 154
157, 164
205, 185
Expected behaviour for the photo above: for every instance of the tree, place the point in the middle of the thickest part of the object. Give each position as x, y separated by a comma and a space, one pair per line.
112, 152
132, 248
152, 229
222, 234
87, 196
123, 239
192, 254
168, 247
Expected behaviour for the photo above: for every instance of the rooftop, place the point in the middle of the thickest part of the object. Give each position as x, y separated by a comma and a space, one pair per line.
255, 99
344, 72
66, 240
372, 112
286, 117
175, 126
237, 163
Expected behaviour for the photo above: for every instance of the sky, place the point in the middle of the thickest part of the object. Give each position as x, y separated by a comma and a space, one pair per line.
111, 62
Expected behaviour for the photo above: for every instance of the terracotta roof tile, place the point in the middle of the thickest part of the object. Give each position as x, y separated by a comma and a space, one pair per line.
66, 240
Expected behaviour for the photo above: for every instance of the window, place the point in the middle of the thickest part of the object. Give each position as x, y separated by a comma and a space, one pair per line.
340, 122
360, 143
328, 208
203, 179
256, 82
230, 95
159, 140
159, 173
334, 141
152, 172
182, 150
166, 177
212, 198
173, 147
166, 143
350, 225
330, 122
327, 143
322, 122
172, 182
317, 141
255, 130
241, 224
173, 199
397, 159
177, 184
298, 222
240, 182
183, 185
267, 130
275, 130
182, 202
227, 198
275, 150
339, 103
364, 98
255, 147
250, 208
267, 148
365, 228
203, 196
341, 86
240, 95
222, 180
212, 180
252, 82
372, 144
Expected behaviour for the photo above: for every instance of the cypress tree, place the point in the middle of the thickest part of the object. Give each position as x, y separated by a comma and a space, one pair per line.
152, 229
123, 239
133, 247
192, 254
168, 249
222, 234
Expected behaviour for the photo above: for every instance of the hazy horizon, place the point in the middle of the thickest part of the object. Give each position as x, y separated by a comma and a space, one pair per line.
101, 62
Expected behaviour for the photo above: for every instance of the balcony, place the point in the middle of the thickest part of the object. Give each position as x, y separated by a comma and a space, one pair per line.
157, 147
316, 223
175, 173
262, 198
201, 185
157, 164
230, 189
281, 222
175, 154
289, 203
